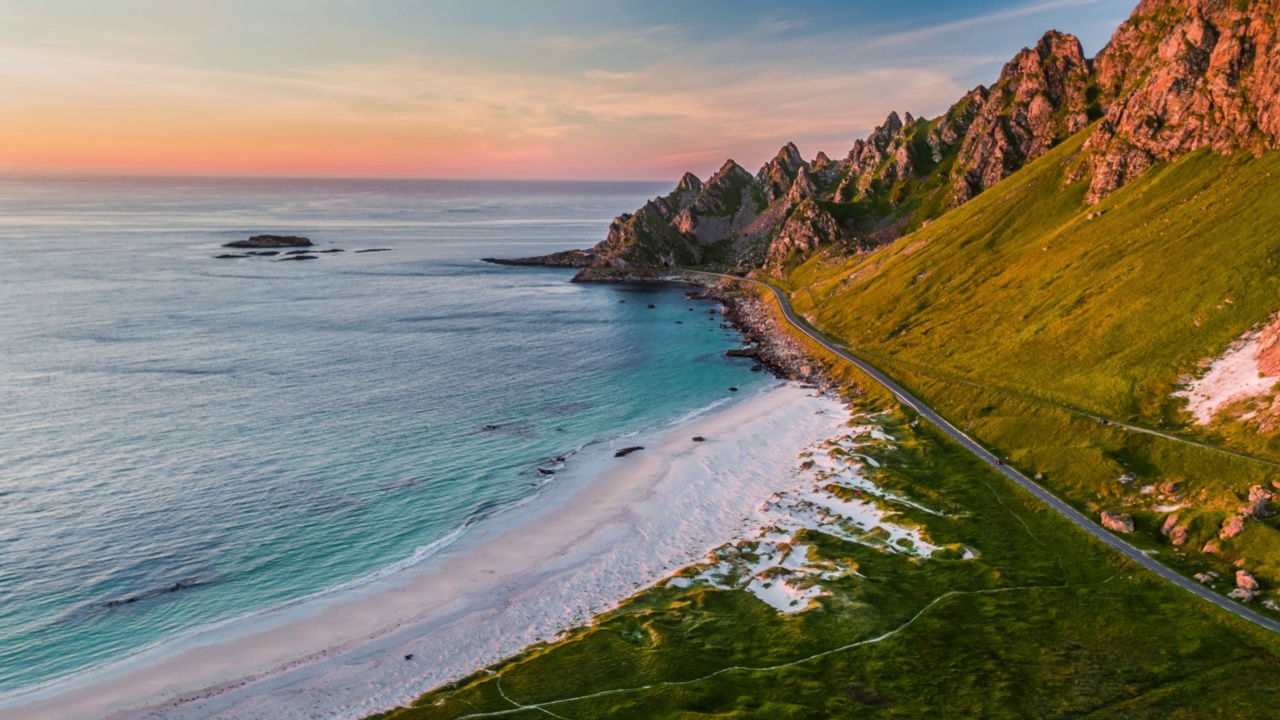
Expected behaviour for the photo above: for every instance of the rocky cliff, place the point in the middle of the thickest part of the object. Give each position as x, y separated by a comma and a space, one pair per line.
1178, 76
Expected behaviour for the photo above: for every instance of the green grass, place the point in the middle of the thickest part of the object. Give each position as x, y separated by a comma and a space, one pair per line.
1017, 305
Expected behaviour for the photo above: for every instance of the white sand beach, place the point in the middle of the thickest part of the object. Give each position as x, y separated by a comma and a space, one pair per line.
606, 528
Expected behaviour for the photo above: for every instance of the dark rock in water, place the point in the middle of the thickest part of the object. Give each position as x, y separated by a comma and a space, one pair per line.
690, 309
521, 430
154, 592
331, 250
545, 471
566, 259
298, 257
297, 252
733, 389
651, 306
757, 368
266, 253
374, 250
270, 241
746, 352
699, 438
558, 458
679, 322
228, 256
627, 451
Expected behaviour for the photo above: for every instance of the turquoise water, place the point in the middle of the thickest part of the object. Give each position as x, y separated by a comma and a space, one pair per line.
187, 440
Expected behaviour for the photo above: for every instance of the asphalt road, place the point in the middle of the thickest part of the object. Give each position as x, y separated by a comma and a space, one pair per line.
1028, 484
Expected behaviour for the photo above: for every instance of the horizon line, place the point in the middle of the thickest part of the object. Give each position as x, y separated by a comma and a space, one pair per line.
43, 172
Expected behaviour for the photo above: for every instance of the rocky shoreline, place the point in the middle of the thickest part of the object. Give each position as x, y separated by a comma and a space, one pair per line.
764, 339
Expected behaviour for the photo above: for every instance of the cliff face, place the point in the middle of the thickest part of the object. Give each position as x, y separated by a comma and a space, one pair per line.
1179, 75
1040, 100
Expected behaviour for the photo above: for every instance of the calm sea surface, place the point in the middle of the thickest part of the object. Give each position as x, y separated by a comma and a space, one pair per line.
185, 440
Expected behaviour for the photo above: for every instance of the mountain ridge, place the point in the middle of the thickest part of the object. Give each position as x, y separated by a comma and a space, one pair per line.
1177, 76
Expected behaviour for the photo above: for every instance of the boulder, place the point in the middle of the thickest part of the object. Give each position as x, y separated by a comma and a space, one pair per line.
1178, 536
1246, 581
1257, 508
1204, 579
1242, 595
1231, 527
1117, 521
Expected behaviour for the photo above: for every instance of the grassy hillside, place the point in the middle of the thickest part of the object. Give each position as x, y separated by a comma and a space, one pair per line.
1015, 309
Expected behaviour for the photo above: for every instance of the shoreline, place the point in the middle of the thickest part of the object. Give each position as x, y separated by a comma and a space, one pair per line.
601, 533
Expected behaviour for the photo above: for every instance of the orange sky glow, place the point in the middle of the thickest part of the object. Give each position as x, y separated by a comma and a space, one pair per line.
379, 91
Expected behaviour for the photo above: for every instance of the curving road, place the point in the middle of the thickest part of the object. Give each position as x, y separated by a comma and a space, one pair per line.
1027, 484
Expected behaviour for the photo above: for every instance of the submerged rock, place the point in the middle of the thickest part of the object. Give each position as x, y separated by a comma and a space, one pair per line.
627, 451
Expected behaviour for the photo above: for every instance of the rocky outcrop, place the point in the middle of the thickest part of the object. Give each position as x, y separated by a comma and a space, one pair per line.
1177, 534
1267, 353
1259, 500
1181, 75
1116, 521
1231, 527
777, 175
566, 259
270, 241
1040, 99
808, 227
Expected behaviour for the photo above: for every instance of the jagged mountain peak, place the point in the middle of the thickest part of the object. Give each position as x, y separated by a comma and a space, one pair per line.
777, 175
788, 160
727, 171
1041, 98
689, 183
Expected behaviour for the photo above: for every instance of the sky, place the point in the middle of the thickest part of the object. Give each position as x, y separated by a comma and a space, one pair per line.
555, 89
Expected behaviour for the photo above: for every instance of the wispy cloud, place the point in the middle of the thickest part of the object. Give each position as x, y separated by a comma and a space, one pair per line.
577, 102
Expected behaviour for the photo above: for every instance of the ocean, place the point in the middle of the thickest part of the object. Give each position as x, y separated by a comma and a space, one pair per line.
189, 440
